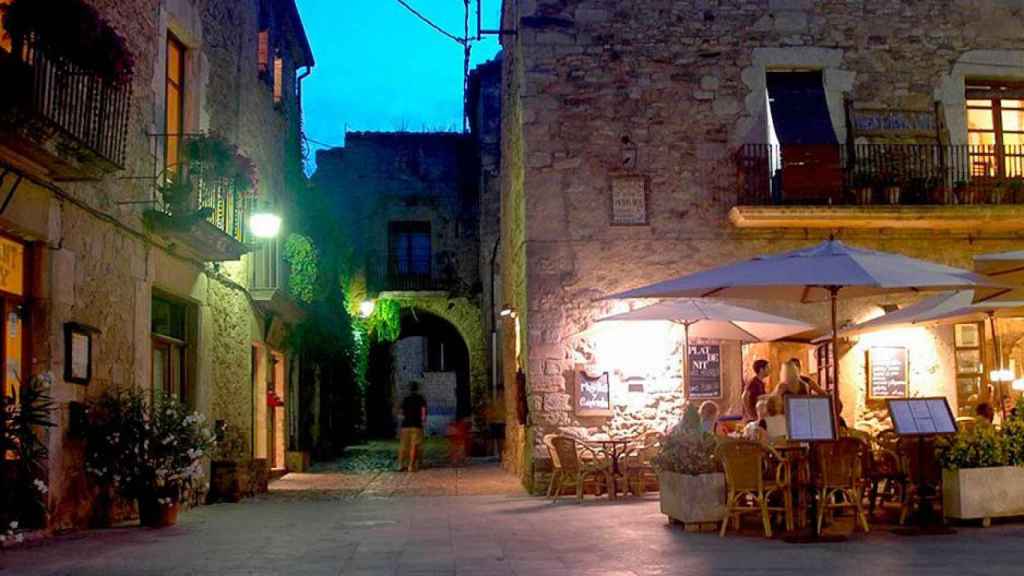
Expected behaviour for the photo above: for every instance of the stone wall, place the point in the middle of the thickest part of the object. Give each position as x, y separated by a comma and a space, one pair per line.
683, 82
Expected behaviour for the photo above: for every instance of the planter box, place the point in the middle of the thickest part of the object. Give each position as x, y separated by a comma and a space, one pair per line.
983, 493
692, 499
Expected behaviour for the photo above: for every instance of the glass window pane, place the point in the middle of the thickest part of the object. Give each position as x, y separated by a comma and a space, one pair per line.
1013, 120
1013, 139
174, 54
979, 103
160, 369
981, 138
1004, 104
979, 119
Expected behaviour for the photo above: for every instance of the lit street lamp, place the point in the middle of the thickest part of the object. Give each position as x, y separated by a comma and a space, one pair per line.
265, 224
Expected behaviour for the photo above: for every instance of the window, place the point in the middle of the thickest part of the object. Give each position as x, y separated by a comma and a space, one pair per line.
5, 40
12, 300
278, 80
823, 359
409, 249
968, 342
263, 53
995, 129
172, 324
174, 120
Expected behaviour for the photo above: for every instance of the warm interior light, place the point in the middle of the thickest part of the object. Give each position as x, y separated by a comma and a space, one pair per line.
1001, 376
265, 224
1018, 385
508, 313
366, 308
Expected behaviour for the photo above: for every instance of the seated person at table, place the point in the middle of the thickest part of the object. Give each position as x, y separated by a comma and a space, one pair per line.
985, 414
754, 389
709, 417
757, 430
775, 422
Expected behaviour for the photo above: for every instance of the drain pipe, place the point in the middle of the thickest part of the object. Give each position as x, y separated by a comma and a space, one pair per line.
494, 328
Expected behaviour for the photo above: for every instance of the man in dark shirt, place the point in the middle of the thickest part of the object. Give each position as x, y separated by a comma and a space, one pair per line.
754, 389
414, 414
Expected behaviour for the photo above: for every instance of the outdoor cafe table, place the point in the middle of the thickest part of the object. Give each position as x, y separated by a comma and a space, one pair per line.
798, 456
615, 449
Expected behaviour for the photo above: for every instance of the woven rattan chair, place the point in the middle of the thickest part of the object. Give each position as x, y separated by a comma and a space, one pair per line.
753, 473
570, 469
887, 476
840, 473
639, 462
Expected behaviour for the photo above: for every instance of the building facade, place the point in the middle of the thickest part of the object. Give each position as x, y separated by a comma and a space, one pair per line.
178, 296
668, 137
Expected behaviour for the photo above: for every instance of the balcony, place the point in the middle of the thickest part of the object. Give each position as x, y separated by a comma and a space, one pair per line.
880, 185
202, 203
392, 273
60, 120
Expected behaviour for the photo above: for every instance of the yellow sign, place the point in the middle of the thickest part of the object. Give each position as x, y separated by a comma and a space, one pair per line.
12, 267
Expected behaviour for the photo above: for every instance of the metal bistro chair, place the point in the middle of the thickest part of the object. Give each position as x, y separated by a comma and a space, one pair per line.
746, 466
840, 473
570, 469
639, 462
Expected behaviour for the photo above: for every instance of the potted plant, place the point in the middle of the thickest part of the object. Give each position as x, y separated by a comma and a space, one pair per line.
982, 476
151, 452
692, 484
963, 193
863, 187
229, 474
23, 490
998, 192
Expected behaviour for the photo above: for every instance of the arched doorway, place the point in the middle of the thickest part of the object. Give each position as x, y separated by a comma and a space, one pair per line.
430, 351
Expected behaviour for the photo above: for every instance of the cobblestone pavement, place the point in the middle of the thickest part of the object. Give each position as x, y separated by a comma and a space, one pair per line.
475, 522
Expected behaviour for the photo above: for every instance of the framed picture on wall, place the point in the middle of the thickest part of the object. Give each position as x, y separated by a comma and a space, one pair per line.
78, 353
969, 362
967, 335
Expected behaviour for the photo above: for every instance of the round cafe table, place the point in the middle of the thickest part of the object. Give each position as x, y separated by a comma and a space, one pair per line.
615, 450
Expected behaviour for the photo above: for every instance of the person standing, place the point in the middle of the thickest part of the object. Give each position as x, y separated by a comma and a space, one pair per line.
754, 389
414, 415
808, 382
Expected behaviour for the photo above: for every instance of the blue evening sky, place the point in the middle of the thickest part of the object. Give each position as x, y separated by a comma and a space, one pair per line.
378, 67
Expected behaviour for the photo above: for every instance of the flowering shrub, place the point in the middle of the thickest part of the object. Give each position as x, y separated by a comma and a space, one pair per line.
23, 455
688, 449
145, 449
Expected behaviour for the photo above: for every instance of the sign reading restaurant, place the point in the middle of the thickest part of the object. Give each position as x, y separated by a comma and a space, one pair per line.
629, 201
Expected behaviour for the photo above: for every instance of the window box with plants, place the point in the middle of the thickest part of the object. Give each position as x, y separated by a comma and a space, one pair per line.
692, 484
148, 451
983, 472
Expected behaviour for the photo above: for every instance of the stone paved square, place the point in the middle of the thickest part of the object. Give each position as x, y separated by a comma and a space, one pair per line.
476, 521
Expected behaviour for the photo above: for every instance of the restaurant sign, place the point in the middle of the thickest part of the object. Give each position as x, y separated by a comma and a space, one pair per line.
12, 263
593, 395
704, 373
888, 374
892, 122
629, 201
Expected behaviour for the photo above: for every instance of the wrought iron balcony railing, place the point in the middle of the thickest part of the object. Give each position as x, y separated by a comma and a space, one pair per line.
393, 272
897, 174
81, 105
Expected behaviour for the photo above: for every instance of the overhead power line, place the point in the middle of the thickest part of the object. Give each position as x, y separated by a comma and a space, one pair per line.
429, 22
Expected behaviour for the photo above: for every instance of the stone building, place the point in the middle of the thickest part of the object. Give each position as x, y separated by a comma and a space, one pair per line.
177, 294
410, 204
651, 140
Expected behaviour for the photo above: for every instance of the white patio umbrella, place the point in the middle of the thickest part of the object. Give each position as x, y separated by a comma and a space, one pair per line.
1007, 267
821, 273
715, 320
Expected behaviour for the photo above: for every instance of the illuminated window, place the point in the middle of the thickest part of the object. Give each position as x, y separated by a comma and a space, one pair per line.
174, 121
995, 129
263, 53
12, 294
278, 80
409, 254
968, 343
5, 40
172, 326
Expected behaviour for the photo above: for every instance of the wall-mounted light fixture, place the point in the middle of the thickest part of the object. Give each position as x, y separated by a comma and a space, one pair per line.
1001, 376
508, 313
366, 308
1018, 385
265, 224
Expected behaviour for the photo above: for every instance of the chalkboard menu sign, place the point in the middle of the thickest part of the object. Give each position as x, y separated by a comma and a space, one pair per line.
888, 374
704, 371
593, 395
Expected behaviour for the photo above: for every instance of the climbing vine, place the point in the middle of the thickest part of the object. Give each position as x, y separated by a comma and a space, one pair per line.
303, 259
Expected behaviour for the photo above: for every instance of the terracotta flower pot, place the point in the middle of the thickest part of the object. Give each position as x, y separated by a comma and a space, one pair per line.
154, 513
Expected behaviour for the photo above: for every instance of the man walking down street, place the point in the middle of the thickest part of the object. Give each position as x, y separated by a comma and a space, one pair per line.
414, 415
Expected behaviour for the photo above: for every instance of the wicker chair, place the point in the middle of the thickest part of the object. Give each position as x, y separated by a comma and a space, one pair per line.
887, 477
570, 469
639, 467
840, 472
746, 466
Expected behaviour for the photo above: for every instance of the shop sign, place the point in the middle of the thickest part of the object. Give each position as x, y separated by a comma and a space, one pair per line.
704, 371
888, 372
12, 267
629, 201
892, 122
593, 395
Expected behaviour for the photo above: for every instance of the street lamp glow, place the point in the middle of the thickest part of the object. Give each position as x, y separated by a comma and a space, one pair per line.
366, 308
265, 225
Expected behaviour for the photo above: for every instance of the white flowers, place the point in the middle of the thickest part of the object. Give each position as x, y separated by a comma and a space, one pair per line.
40, 486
